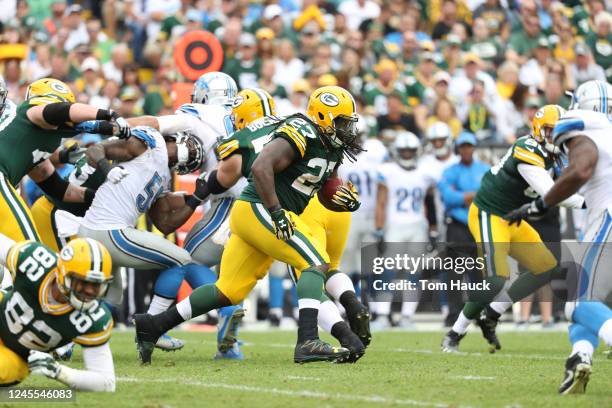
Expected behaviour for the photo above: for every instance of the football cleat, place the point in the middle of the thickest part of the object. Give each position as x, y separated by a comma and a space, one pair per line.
146, 336
317, 350
355, 347
227, 328
360, 325
234, 353
577, 372
487, 326
450, 342
169, 343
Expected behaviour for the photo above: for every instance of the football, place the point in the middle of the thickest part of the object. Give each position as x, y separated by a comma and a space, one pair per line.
327, 191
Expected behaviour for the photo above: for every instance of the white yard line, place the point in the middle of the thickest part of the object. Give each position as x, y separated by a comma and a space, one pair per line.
473, 377
302, 378
290, 393
429, 351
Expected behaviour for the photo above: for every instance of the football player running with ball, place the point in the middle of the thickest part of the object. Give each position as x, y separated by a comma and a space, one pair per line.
302, 154
523, 173
56, 299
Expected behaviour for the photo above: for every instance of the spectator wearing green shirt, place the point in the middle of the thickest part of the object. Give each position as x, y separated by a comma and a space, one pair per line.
266, 79
244, 69
377, 91
485, 45
524, 40
600, 42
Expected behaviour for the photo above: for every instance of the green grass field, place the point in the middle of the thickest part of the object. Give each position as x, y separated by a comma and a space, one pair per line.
399, 369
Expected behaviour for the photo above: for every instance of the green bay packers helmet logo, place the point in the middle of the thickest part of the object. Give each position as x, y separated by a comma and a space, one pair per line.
59, 87
329, 99
539, 114
67, 253
237, 101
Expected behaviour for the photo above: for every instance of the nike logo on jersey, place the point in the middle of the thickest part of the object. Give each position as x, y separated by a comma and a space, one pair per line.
39, 155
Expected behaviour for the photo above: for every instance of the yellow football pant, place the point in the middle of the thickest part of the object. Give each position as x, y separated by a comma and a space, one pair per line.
497, 240
253, 246
13, 369
330, 228
43, 214
15, 217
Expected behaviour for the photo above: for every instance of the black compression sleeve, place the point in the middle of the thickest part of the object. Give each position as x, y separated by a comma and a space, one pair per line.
90, 194
57, 113
104, 114
54, 186
214, 187
104, 166
430, 205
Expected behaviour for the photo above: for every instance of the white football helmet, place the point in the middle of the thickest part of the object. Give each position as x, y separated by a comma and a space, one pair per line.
406, 149
214, 88
440, 131
190, 153
593, 96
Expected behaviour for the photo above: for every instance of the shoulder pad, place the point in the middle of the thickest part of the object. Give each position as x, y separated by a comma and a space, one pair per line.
189, 109
567, 124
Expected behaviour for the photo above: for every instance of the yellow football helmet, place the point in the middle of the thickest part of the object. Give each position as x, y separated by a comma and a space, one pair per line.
544, 121
84, 271
251, 104
333, 109
50, 90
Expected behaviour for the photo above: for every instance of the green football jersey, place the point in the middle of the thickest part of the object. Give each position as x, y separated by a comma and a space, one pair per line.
314, 163
503, 188
83, 175
248, 142
29, 317
24, 145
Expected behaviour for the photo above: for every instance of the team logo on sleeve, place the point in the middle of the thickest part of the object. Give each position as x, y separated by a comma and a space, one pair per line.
67, 253
329, 99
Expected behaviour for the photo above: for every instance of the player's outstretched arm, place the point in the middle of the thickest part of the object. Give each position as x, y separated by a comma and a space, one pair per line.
540, 180
99, 373
583, 156
52, 115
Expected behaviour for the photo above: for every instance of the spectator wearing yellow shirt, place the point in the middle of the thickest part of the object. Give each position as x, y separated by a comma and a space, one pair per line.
444, 111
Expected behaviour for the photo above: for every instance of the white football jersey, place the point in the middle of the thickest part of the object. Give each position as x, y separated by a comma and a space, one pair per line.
117, 206
209, 123
597, 191
406, 193
434, 167
363, 173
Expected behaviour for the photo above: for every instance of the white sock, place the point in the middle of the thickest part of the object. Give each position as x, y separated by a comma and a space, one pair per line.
408, 308
328, 315
383, 308
605, 332
308, 304
159, 304
583, 346
276, 311
461, 324
337, 284
184, 309
500, 307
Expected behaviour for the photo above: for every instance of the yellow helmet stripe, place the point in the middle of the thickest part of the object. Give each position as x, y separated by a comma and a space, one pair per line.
267, 111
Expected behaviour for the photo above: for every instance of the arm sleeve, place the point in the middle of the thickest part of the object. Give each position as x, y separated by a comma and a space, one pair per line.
539, 179
99, 373
5, 247
450, 196
171, 124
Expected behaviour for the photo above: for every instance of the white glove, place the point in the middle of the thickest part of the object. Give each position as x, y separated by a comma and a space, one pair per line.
117, 174
43, 364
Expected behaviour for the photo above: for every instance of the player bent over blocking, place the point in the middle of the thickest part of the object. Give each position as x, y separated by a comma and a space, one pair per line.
583, 133
291, 168
56, 299
521, 174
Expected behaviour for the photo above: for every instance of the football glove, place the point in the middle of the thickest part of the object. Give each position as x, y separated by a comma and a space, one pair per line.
532, 209
123, 129
201, 190
116, 174
347, 197
43, 364
433, 240
70, 153
284, 227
